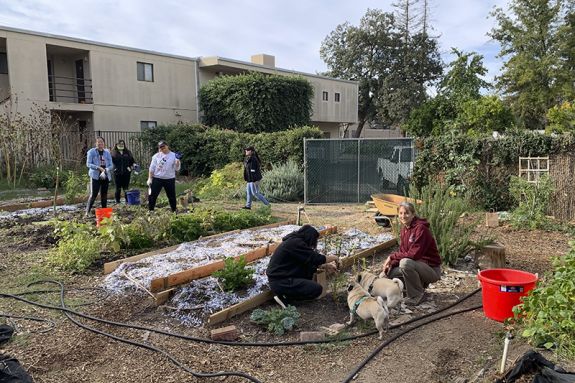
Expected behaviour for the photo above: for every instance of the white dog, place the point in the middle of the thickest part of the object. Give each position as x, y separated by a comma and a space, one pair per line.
389, 289
365, 306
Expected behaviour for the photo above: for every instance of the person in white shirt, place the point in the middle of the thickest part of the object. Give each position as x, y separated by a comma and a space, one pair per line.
162, 174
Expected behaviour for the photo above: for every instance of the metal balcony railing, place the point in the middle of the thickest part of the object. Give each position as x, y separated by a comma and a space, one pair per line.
70, 89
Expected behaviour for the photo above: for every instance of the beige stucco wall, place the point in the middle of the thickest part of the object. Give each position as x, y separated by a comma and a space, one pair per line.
125, 118
4, 86
330, 111
120, 101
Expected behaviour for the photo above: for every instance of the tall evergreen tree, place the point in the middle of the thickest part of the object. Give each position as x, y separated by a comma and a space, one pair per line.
529, 40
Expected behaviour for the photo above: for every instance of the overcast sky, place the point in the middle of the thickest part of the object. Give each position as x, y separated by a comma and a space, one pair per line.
290, 30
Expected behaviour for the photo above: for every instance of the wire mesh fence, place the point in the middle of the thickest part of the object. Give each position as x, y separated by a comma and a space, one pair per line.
351, 170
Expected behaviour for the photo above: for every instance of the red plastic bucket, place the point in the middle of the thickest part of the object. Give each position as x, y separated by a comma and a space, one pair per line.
104, 212
502, 290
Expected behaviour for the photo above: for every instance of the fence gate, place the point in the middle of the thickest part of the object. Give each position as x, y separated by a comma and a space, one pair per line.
350, 170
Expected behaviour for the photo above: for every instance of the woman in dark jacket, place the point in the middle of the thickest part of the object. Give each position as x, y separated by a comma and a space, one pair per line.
293, 264
123, 163
253, 176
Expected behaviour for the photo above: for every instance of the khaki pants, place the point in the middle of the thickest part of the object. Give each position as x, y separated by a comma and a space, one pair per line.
416, 276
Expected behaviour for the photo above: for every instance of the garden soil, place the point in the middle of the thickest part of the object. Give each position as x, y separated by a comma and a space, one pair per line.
459, 348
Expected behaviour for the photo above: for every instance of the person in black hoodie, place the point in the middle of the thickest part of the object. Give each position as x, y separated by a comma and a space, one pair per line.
123, 163
253, 176
293, 264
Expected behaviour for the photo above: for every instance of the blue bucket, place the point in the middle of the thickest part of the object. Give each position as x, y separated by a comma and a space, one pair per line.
133, 197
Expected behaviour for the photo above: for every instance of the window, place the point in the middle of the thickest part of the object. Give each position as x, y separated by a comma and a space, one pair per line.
3, 63
324, 96
145, 72
336, 97
148, 125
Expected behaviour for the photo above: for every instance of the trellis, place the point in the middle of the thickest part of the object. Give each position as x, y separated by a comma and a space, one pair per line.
533, 168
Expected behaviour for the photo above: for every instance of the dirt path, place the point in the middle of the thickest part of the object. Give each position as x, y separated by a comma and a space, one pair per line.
444, 351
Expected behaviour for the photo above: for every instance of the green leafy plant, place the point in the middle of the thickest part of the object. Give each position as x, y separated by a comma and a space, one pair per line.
533, 201
186, 227
284, 182
76, 253
74, 185
235, 275
227, 182
256, 102
276, 320
547, 313
443, 210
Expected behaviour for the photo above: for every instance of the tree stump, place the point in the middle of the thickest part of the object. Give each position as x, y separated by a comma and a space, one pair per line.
491, 257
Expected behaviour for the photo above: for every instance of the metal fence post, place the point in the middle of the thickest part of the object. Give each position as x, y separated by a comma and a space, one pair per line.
304, 171
358, 167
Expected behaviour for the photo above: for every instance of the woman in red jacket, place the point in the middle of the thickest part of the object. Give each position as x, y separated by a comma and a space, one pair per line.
417, 262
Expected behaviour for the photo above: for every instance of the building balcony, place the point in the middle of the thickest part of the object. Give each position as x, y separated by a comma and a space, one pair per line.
70, 89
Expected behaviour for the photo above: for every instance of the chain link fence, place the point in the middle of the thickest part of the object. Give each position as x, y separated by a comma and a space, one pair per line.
351, 170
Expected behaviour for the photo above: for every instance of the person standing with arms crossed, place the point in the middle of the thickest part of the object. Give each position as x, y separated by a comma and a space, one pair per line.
162, 174
123, 162
99, 163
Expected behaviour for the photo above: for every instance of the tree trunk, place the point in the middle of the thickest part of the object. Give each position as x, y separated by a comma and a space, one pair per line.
360, 125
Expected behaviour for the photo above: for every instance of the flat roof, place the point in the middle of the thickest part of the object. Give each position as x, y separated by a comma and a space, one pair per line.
216, 61
83, 41
220, 60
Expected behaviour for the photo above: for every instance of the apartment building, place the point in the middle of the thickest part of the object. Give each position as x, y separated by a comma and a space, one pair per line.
112, 88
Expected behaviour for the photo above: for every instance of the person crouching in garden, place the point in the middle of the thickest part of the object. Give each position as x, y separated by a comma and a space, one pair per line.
162, 174
99, 163
123, 163
417, 262
253, 176
293, 264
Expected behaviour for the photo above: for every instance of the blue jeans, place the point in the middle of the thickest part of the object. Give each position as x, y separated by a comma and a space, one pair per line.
252, 190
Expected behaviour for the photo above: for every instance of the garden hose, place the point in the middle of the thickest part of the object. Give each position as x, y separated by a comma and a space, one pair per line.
35, 319
226, 343
68, 311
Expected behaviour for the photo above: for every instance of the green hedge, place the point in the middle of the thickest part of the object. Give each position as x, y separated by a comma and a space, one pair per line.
482, 167
256, 102
205, 149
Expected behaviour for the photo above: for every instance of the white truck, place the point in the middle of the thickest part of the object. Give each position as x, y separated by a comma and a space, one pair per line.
395, 171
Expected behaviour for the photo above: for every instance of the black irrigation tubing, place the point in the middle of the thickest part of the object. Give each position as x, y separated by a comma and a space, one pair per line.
149, 347
225, 343
354, 373
106, 294
36, 319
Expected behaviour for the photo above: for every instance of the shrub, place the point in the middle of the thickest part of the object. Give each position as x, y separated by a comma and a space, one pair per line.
235, 275
76, 253
561, 118
256, 102
45, 177
205, 149
284, 182
186, 227
276, 320
223, 183
225, 221
547, 313
74, 185
533, 201
443, 211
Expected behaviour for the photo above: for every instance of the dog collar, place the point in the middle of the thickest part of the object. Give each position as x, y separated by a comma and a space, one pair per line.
356, 304
371, 286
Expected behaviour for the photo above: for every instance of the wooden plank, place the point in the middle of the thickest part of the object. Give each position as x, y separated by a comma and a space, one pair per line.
39, 204
349, 261
240, 308
111, 266
162, 297
206, 270
188, 275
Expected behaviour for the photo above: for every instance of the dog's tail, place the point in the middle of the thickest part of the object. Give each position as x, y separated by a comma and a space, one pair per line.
399, 283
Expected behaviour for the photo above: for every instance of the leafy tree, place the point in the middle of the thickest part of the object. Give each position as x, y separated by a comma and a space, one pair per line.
392, 64
464, 80
256, 102
483, 115
561, 118
567, 55
529, 38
